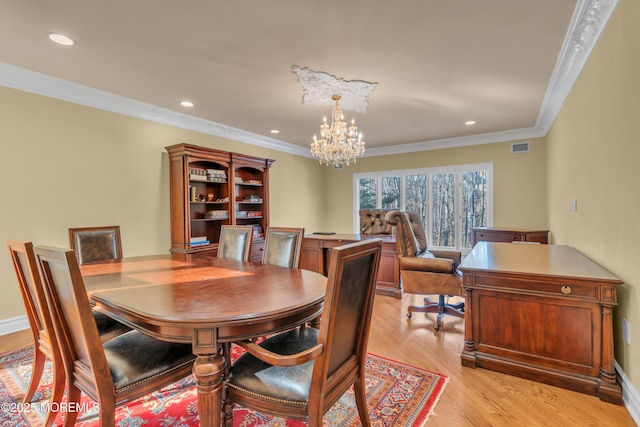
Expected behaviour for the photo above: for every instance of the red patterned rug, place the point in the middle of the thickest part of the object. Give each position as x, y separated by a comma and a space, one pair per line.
397, 395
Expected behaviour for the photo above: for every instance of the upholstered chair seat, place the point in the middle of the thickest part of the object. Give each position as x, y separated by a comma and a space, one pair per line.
134, 358
277, 383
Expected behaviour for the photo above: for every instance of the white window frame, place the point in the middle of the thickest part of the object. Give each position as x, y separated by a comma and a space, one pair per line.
457, 169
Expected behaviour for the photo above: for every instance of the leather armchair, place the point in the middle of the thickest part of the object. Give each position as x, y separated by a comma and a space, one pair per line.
426, 272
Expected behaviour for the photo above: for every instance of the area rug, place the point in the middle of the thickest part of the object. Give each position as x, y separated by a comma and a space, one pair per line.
397, 394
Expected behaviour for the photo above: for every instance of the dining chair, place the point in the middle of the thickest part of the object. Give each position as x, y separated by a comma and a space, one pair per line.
111, 373
301, 373
96, 244
235, 242
282, 246
41, 325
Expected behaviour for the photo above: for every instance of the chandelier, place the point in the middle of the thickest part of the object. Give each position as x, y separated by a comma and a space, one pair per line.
338, 144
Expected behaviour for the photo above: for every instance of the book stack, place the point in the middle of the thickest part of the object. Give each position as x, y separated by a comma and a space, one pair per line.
216, 175
216, 214
196, 174
252, 199
255, 182
241, 214
253, 214
257, 231
199, 241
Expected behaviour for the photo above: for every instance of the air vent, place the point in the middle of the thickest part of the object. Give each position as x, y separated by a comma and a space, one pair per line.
520, 147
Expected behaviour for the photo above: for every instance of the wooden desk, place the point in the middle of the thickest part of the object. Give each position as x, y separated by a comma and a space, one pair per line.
316, 250
205, 301
541, 312
493, 234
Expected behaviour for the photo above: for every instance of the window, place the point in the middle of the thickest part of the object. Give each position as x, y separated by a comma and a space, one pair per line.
450, 200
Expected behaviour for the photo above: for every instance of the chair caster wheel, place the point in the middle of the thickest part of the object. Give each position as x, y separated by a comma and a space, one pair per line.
409, 314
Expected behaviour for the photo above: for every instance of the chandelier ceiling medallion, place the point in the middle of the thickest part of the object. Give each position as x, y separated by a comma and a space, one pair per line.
338, 144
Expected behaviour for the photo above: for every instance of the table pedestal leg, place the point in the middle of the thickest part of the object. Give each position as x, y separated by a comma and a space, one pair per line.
208, 371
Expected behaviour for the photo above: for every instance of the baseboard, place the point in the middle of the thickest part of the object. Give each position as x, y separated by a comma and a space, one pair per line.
14, 324
630, 395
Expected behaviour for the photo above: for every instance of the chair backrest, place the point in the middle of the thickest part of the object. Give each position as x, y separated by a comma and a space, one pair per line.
282, 246
96, 244
373, 221
411, 239
73, 320
26, 269
235, 242
346, 320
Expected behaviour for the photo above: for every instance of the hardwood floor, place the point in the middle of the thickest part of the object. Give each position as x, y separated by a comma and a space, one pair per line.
473, 397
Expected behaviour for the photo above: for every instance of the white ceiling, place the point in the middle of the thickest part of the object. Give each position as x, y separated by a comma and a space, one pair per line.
507, 64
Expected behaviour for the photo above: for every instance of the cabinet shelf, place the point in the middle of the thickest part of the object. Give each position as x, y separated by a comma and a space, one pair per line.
207, 182
208, 203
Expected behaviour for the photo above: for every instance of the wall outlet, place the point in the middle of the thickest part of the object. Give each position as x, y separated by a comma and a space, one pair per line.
626, 331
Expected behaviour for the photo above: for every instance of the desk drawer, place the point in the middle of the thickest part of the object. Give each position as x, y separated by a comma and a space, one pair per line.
498, 236
561, 288
257, 248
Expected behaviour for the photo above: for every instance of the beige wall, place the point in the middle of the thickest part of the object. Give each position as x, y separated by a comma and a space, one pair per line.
65, 165
520, 185
593, 153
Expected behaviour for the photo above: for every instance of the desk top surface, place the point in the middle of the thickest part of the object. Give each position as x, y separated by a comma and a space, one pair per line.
543, 260
352, 237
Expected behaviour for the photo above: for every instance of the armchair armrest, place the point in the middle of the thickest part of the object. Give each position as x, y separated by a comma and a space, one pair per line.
279, 359
456, 256
432, 265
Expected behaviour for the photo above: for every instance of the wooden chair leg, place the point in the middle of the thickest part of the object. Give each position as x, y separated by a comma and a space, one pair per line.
73, 398
39, 360
57, 392
108, 415
227, 405
361, 402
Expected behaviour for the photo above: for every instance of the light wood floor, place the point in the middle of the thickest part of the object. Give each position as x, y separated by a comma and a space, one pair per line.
473, 397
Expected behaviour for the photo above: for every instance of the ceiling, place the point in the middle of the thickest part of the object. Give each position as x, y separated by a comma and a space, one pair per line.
506, 64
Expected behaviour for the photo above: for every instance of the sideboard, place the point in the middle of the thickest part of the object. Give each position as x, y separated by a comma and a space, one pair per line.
316, 251
541, 312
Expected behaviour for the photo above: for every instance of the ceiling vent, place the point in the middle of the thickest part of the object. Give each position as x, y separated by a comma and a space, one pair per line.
520, 147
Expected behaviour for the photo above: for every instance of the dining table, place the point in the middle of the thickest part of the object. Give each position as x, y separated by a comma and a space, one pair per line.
207, 302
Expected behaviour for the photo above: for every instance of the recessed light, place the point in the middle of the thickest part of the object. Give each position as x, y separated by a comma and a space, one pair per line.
470, 122
274, 131
186, 103
61, 39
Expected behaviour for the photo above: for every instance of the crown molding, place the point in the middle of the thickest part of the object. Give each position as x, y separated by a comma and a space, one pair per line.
464, 141
587, 23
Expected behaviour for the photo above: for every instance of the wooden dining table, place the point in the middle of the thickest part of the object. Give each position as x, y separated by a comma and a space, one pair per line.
207, 302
